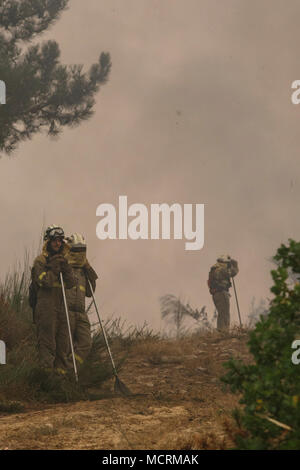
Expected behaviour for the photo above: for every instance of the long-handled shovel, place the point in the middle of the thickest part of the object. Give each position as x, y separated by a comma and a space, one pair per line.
119, 387
69, 328
237, 303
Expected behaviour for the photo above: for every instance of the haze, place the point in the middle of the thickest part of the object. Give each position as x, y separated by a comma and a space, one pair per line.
197, 110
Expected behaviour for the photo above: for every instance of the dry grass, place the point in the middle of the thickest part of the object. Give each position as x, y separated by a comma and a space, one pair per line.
157, 352
178, 402
198, 441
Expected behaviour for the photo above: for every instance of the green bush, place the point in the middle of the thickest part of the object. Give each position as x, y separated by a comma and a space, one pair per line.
270, 385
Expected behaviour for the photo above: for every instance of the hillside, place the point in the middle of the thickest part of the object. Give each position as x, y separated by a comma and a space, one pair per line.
177, 402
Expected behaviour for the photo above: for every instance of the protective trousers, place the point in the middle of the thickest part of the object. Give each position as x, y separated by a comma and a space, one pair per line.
222, 304
81, 334
52, 332
50, 315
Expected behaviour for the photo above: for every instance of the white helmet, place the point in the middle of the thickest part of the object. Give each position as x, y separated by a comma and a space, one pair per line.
224, 259
77, 242
53, 231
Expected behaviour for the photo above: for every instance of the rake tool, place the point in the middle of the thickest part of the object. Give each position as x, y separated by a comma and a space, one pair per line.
119, 387
69, 328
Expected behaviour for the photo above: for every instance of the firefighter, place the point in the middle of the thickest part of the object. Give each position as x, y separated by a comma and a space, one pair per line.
82, 270
49, 312
219, 283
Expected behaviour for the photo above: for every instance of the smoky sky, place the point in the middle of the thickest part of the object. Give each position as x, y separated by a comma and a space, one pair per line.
197, 110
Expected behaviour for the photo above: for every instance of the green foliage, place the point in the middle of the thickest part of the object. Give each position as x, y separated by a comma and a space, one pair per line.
42, 94
25, 19
15, 313
270, 386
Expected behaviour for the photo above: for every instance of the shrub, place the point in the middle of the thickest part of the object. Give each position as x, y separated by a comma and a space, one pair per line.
270, 387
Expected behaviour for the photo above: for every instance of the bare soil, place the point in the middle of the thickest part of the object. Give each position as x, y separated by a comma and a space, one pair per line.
177, 402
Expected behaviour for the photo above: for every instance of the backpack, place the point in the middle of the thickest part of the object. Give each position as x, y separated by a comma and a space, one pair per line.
217, 285
211, 282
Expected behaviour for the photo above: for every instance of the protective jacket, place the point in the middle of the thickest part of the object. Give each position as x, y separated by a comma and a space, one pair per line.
76, 295
50, 315
220, 274
80, 325
44, 278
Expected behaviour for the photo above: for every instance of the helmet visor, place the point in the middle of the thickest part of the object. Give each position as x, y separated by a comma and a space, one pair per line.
56, 233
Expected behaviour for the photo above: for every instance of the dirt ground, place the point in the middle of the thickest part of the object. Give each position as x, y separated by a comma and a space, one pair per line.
177, 402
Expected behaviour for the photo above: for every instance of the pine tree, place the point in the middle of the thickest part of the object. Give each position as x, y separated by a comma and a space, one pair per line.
41, 93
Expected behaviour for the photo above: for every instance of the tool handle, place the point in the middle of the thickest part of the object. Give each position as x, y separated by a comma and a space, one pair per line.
69, 328
103, 330
237, 303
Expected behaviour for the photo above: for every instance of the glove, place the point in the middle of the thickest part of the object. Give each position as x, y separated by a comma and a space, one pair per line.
90, 276
55, 263
64, 265
89, 271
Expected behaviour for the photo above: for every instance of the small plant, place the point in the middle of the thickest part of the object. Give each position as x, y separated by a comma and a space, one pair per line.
123, 335
256, 310
15, 313
174, 310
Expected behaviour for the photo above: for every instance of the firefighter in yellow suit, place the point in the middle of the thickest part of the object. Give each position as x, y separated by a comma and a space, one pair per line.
82, 270
50, 316
219, 284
